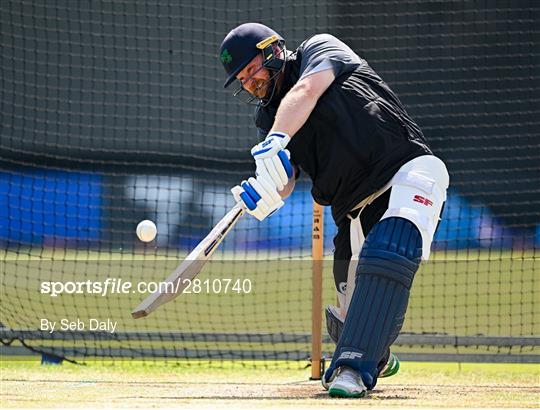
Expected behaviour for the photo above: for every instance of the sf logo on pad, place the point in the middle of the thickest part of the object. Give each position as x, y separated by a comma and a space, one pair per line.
422, 200
350, 355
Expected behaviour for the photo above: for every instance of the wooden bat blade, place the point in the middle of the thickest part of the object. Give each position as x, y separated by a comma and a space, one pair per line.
191, 266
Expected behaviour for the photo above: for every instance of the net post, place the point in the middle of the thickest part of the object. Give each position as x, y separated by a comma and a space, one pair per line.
317, 236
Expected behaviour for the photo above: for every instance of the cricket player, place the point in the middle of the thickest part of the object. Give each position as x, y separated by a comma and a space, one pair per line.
323, 110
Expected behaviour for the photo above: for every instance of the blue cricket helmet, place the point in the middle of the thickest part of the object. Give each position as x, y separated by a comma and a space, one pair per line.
241, 45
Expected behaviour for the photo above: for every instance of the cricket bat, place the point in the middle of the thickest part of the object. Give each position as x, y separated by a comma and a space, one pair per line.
192, 265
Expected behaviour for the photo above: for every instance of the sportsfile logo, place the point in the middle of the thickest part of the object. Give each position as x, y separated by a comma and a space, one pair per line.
350, 355
422, 200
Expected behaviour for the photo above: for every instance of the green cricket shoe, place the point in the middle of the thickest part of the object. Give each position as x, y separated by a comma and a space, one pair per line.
347, 384
391, 367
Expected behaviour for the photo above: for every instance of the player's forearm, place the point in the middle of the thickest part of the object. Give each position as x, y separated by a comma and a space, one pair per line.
294, 110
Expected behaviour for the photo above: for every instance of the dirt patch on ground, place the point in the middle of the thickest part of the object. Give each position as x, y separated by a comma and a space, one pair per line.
131, 393
417, 385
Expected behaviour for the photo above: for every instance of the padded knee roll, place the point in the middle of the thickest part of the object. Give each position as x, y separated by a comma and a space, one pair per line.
388, 262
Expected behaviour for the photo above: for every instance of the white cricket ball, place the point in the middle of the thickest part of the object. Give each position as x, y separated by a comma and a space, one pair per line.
146, 230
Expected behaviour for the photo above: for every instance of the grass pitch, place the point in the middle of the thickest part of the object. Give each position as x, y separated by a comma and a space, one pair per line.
27, 384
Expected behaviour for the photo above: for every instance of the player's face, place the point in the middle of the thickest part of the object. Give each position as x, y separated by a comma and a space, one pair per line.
254, 78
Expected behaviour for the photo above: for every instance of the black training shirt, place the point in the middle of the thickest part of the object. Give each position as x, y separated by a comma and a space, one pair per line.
358, 134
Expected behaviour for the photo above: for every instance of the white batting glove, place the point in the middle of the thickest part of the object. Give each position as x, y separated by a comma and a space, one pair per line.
273, 160
259, 197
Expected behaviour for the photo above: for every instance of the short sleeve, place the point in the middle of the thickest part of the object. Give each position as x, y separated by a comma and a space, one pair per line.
324, 51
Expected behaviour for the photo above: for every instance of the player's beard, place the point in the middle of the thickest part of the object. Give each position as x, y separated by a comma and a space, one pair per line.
261, 89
